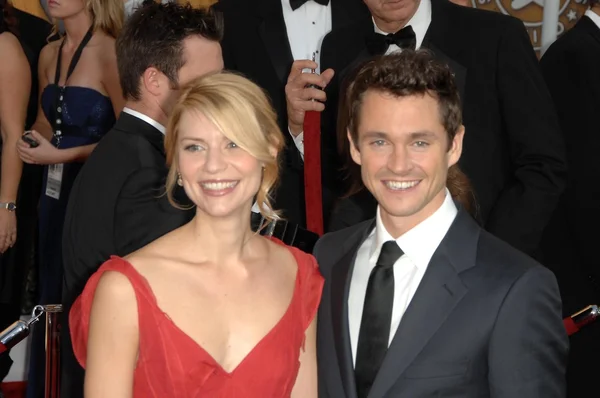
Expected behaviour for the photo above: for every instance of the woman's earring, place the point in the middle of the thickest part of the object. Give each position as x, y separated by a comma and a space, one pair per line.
179, 180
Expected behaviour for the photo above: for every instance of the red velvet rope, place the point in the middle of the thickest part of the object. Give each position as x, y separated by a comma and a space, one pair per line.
312, 172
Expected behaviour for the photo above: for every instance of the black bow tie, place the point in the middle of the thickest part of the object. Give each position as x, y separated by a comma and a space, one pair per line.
299, 3
377, 44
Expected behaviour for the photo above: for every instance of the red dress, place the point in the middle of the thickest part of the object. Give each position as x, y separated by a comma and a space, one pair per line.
171, 364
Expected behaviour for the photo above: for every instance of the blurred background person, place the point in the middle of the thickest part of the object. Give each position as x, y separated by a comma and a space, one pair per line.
79, 102
570, 67
15, 87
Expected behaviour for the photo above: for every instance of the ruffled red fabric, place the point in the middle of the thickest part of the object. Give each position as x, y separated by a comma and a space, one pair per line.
171, 364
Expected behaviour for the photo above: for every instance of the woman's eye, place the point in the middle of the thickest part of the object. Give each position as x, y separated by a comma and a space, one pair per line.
193, 148
232, 145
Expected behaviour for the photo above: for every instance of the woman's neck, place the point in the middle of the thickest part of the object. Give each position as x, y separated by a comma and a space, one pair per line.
76, 27
222, 240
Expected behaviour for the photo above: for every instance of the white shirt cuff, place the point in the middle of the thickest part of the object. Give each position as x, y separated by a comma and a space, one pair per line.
299, 142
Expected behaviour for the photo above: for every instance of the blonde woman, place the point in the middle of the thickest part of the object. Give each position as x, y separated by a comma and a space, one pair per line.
80, 97
210, 309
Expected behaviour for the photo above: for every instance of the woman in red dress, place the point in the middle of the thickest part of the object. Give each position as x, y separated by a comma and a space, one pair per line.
211, 309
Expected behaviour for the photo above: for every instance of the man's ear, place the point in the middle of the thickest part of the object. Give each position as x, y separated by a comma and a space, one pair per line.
153, 81
456, 147
354, 152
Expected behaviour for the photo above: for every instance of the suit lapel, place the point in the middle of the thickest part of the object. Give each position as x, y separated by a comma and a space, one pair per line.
434, 39
340, 285
273, 33
589, 26
437, 295
459, 71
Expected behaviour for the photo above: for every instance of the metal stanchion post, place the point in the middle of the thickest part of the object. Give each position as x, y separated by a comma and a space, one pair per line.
53, 313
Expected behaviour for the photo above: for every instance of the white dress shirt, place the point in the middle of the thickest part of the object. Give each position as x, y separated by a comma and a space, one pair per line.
419, 22
146, 119
418, 245
593, 16
306, 28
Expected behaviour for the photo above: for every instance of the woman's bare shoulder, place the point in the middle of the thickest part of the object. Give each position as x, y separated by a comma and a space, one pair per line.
105, 46
49, 53
10, 47
155, 253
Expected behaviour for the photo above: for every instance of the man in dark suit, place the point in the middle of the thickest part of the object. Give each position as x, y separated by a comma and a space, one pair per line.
571, 67
421, 302
262, 39
118, 202
514, 154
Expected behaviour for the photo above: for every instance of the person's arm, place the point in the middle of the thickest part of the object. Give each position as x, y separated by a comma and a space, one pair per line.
15, 80
306, 381
529, 345
110, 81
538, 160
46, 153
113, 339
576, 96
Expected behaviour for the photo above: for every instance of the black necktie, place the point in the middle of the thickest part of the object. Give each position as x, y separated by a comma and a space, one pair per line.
377, 44
299, 3
374, 333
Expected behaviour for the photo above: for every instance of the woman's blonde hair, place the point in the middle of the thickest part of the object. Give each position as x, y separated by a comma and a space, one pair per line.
107, 15
242, 113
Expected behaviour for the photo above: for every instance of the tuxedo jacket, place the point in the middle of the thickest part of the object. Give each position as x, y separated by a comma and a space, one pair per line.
256, 44
117, 205
485, 321
513, 151
570, 67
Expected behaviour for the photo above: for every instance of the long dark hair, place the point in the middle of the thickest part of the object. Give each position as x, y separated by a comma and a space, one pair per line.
7, 19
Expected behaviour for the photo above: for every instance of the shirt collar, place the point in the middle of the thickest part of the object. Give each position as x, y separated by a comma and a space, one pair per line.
422, 241
146, 119
593, 16
419, 22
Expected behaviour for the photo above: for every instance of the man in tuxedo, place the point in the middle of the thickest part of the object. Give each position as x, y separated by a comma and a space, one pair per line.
570, 67
118, 202
420, 301
262, 39
514, 153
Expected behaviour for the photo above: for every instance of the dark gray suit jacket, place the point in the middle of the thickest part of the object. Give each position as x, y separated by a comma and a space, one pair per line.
484, 322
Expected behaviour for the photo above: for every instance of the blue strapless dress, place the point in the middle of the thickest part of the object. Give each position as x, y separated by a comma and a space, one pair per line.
86, 116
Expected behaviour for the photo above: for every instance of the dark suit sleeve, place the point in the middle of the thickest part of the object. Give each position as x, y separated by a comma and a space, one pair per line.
143, 213
574, 83
537, 152
529, 345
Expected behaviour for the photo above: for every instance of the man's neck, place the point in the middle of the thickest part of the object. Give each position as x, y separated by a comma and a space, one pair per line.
150, 111
395, 26
595, 9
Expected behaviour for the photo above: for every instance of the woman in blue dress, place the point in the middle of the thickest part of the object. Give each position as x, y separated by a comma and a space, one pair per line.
80, 99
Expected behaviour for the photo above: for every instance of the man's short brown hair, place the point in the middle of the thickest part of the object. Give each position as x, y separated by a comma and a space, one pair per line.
405, 74
408, 73
153, 37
